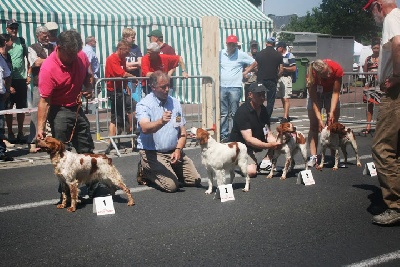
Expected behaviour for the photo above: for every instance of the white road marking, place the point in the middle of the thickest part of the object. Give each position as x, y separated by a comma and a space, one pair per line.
118, 192
377, 260
54, 201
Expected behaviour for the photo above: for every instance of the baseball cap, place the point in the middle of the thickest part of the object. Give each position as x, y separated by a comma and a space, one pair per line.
232, 39
155, 33
51, 26
270, 40
256, 88
368, 4
253, 42
281, 44
11, 22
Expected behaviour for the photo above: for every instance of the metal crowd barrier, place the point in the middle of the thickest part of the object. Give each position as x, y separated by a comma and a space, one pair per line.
354, 93
187, 91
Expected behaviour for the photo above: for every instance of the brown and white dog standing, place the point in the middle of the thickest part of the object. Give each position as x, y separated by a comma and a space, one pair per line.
73, 169
334, 136
221, 158
292, 141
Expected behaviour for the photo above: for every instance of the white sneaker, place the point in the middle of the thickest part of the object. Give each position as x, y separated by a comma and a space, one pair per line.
265, 165
313, 161
8, 144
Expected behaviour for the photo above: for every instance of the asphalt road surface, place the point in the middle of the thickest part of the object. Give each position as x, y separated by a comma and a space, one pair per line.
277, 223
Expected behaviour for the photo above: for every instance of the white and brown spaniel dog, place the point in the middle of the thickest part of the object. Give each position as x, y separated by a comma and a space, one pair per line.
292, 141
73, 169
334, 136
221, 158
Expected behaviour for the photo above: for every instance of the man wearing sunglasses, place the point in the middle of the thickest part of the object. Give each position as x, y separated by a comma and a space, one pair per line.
385, 147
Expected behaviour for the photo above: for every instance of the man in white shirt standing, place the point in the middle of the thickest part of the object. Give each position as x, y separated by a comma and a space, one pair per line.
385, 147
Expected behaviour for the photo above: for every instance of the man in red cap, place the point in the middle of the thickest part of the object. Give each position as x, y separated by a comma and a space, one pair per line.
232, 61
385, 147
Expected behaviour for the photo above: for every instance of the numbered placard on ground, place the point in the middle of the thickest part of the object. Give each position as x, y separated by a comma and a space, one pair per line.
226, 192
370, 169
103, 205
306, 177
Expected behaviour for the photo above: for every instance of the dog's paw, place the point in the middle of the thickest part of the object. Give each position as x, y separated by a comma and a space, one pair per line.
208, 192
335, 168
358, 164
71, 209
269, 176
131, 203
283, 178
319, 167
60, 206
245, 190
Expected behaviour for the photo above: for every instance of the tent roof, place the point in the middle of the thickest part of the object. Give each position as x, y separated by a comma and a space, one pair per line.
233, 14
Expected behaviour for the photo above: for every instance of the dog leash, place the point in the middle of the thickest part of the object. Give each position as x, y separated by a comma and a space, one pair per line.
79, 102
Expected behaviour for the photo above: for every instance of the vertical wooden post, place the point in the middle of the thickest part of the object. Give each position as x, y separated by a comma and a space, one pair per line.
210, 67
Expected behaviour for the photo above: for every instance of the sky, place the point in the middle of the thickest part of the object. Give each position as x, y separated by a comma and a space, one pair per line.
288, 7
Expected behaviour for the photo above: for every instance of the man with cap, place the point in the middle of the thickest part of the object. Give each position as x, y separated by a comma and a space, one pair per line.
270, 69
385, 146
285, 83
232, 62
249, 125
157, 36
19, 81
251, 77
53, 32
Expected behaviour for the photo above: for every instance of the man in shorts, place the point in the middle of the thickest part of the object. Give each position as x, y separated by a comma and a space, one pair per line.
285, 82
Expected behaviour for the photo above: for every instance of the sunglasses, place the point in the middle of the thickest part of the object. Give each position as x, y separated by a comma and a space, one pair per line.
13, 28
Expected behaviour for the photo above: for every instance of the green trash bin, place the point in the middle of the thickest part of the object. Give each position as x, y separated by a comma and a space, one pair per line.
299, 87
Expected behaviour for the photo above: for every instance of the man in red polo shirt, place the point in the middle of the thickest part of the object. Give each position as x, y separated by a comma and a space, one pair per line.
154, 61
116, 67
61, 78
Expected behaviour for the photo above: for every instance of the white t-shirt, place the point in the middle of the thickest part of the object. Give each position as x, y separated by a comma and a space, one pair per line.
391, 28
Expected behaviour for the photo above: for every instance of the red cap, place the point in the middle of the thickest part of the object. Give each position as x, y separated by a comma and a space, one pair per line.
368, 4
232, 39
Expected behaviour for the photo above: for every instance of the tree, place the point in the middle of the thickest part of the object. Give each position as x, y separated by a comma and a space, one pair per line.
338, 17
257, 3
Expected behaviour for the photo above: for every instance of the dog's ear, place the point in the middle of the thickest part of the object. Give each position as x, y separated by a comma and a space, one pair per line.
203, 137
279, 128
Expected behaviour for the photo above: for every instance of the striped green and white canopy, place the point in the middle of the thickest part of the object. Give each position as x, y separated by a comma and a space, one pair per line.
179, 20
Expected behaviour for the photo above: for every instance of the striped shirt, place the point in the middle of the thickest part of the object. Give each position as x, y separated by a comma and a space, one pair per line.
166, 138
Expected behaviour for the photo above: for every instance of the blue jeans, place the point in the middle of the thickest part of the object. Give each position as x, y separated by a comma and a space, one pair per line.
230, 97
271, 95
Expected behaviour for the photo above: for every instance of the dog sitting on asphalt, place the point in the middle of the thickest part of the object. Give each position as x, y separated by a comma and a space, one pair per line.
292, 141
334, 136
221, 158
73, 169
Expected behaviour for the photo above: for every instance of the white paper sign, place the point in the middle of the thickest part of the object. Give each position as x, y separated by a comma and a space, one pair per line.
306, 177
370, 169
103, 205
226, 192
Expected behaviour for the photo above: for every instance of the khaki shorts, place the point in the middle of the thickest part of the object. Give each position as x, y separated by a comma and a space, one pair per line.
284, 87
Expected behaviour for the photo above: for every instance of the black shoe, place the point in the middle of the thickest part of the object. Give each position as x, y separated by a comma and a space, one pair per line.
6, 158
108, 149
21, 138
